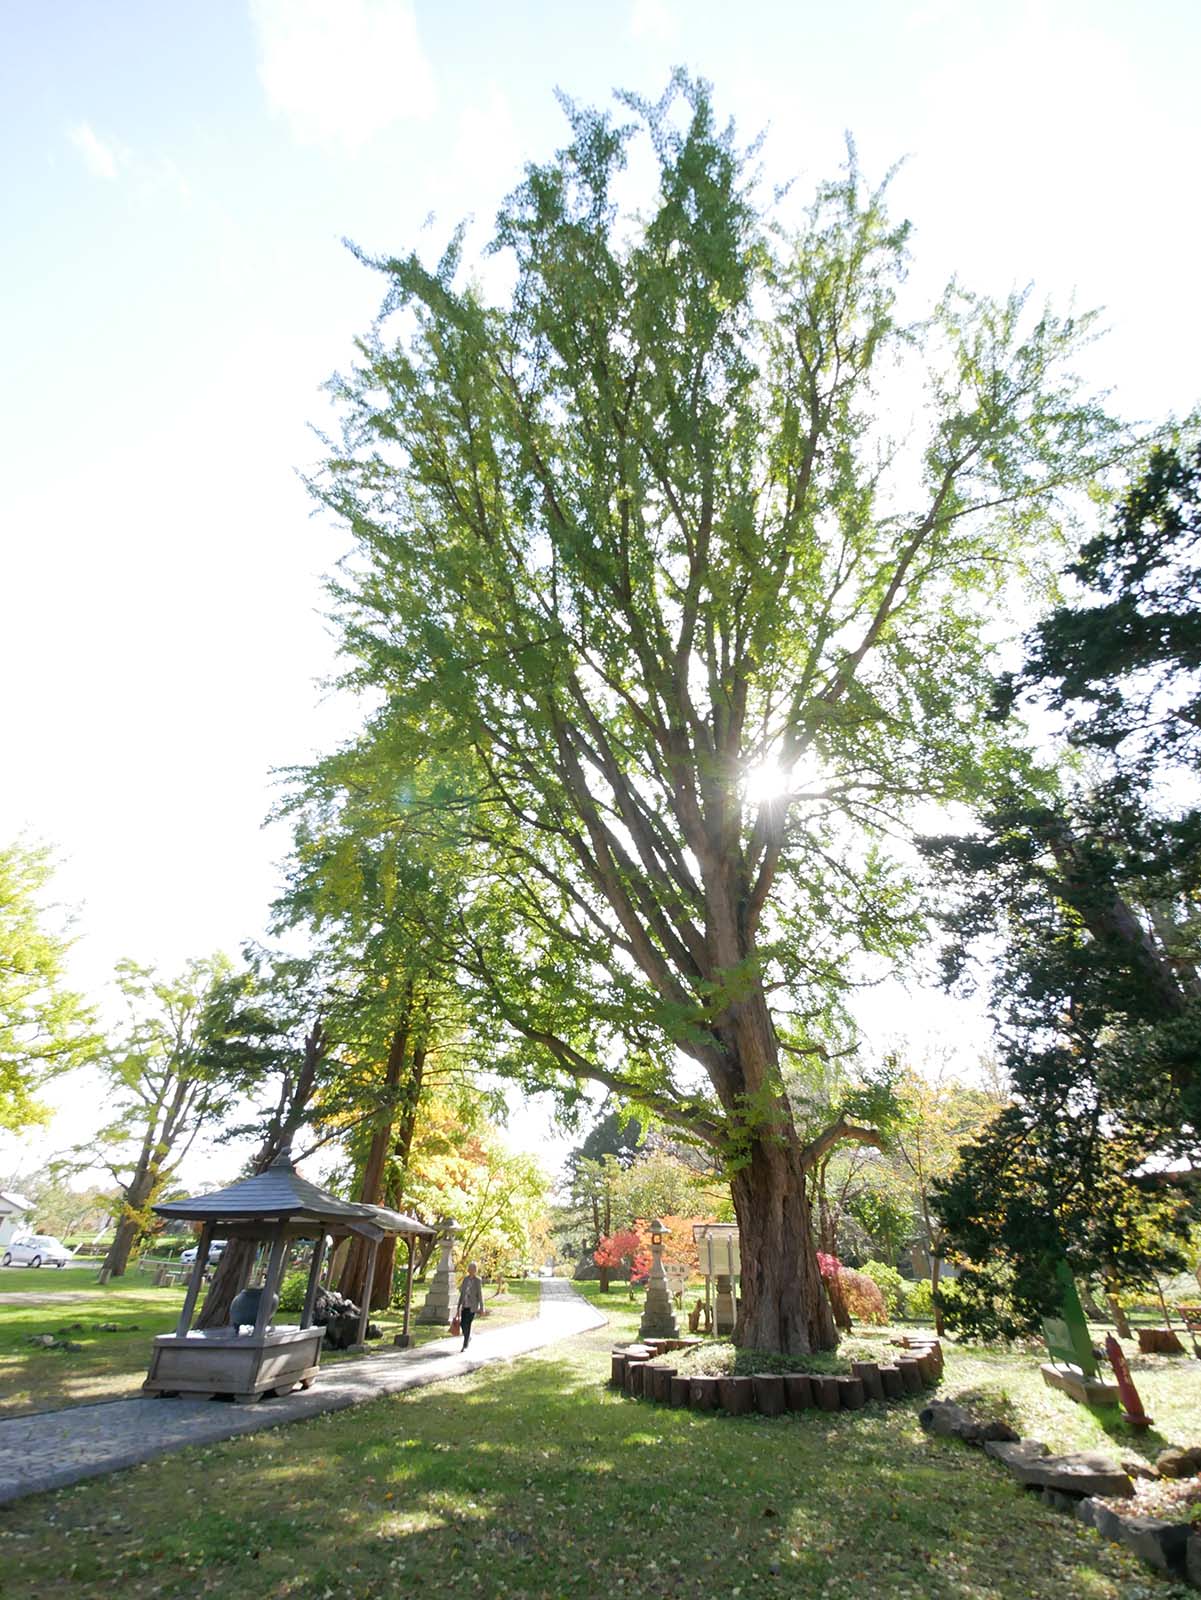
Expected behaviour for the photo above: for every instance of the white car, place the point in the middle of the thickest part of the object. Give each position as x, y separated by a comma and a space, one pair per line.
36, 1250
215, 1250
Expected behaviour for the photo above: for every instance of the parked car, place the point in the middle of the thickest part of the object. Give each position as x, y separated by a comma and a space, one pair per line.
215, 1250
36, 1250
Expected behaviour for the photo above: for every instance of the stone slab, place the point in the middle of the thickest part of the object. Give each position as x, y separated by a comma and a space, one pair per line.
1163, 1545
1082, 1472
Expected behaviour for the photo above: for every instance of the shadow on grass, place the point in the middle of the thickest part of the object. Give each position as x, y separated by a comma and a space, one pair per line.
535, 1479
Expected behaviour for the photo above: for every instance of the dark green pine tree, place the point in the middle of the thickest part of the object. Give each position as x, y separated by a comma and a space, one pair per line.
1096, 894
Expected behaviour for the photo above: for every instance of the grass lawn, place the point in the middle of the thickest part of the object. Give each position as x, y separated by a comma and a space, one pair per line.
109, 1365
533, 1479
112, 1365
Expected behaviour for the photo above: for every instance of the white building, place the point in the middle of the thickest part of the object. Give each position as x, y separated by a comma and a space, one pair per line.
15, 1211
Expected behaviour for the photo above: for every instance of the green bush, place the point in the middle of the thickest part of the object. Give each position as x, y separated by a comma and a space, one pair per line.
920, 1300
291, 1291
890, 1284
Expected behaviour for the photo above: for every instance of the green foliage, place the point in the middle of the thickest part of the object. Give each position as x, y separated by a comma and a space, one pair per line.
45, 1029
1095, 892
920, 1300
292, 1291
890, 1284
633, 534
167, 1078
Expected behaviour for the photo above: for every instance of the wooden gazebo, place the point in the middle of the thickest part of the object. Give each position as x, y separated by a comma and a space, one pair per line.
276, 1208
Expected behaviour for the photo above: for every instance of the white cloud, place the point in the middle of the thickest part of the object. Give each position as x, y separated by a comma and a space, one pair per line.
341, 71
99, 158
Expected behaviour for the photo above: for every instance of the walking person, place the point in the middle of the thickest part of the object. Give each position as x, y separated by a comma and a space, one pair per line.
471, 1300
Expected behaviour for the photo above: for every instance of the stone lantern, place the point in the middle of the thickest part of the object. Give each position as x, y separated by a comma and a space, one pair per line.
443, 1291
658, 1314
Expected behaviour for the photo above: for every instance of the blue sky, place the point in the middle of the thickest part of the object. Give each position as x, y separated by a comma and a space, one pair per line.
175, 181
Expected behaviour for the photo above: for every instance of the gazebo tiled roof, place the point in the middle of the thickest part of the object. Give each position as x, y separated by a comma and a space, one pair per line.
281, 1193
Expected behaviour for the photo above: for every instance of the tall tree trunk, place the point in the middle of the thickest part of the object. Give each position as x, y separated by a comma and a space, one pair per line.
121, 1248
935, 1274
141, 1190
402, 1145
237, 1259
784, 1306
353, 1282
1120, 1320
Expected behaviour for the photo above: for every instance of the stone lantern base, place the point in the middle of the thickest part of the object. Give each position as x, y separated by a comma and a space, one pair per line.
658, 1314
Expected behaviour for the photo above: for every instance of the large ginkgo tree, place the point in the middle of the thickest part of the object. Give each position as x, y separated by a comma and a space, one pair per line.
666, 610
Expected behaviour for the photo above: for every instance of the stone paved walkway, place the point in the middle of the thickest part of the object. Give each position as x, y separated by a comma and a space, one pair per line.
54, 1448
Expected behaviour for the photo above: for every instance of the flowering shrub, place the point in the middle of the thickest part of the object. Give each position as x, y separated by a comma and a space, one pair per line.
860, 1296
863, 1297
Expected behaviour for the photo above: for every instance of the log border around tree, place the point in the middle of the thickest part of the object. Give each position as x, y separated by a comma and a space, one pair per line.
771, 1394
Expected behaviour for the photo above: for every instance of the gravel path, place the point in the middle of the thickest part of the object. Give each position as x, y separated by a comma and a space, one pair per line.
35, 1297
54, 1448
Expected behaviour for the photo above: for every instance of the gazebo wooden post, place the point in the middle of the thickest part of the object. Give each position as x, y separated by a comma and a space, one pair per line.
310, 1293
194, 1283
368, 1288
275, 1264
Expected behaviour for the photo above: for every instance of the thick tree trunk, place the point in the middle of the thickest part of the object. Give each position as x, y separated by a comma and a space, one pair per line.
232, 1272
353, 1281
140, 1191
121, 1248
402, 1144
1120, 1320
233, 1269
784, 1306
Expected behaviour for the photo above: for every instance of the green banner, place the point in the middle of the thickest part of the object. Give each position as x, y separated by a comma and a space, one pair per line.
1067, 1334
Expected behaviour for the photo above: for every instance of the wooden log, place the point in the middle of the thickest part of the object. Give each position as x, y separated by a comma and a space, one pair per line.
703, 1393
679, 1391
825, 1391
617, 1369
661, 1382
868, 1373
737, 1394
852, 1396
910, 1375
798, 1391
1159, 1342
770, 1396
935, 1349
894, 1384
927, 1365
636, 1373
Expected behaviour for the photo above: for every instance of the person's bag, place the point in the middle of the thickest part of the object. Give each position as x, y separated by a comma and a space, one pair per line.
456, 1326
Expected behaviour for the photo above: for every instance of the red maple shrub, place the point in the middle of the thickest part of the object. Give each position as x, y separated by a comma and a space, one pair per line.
618, 1250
